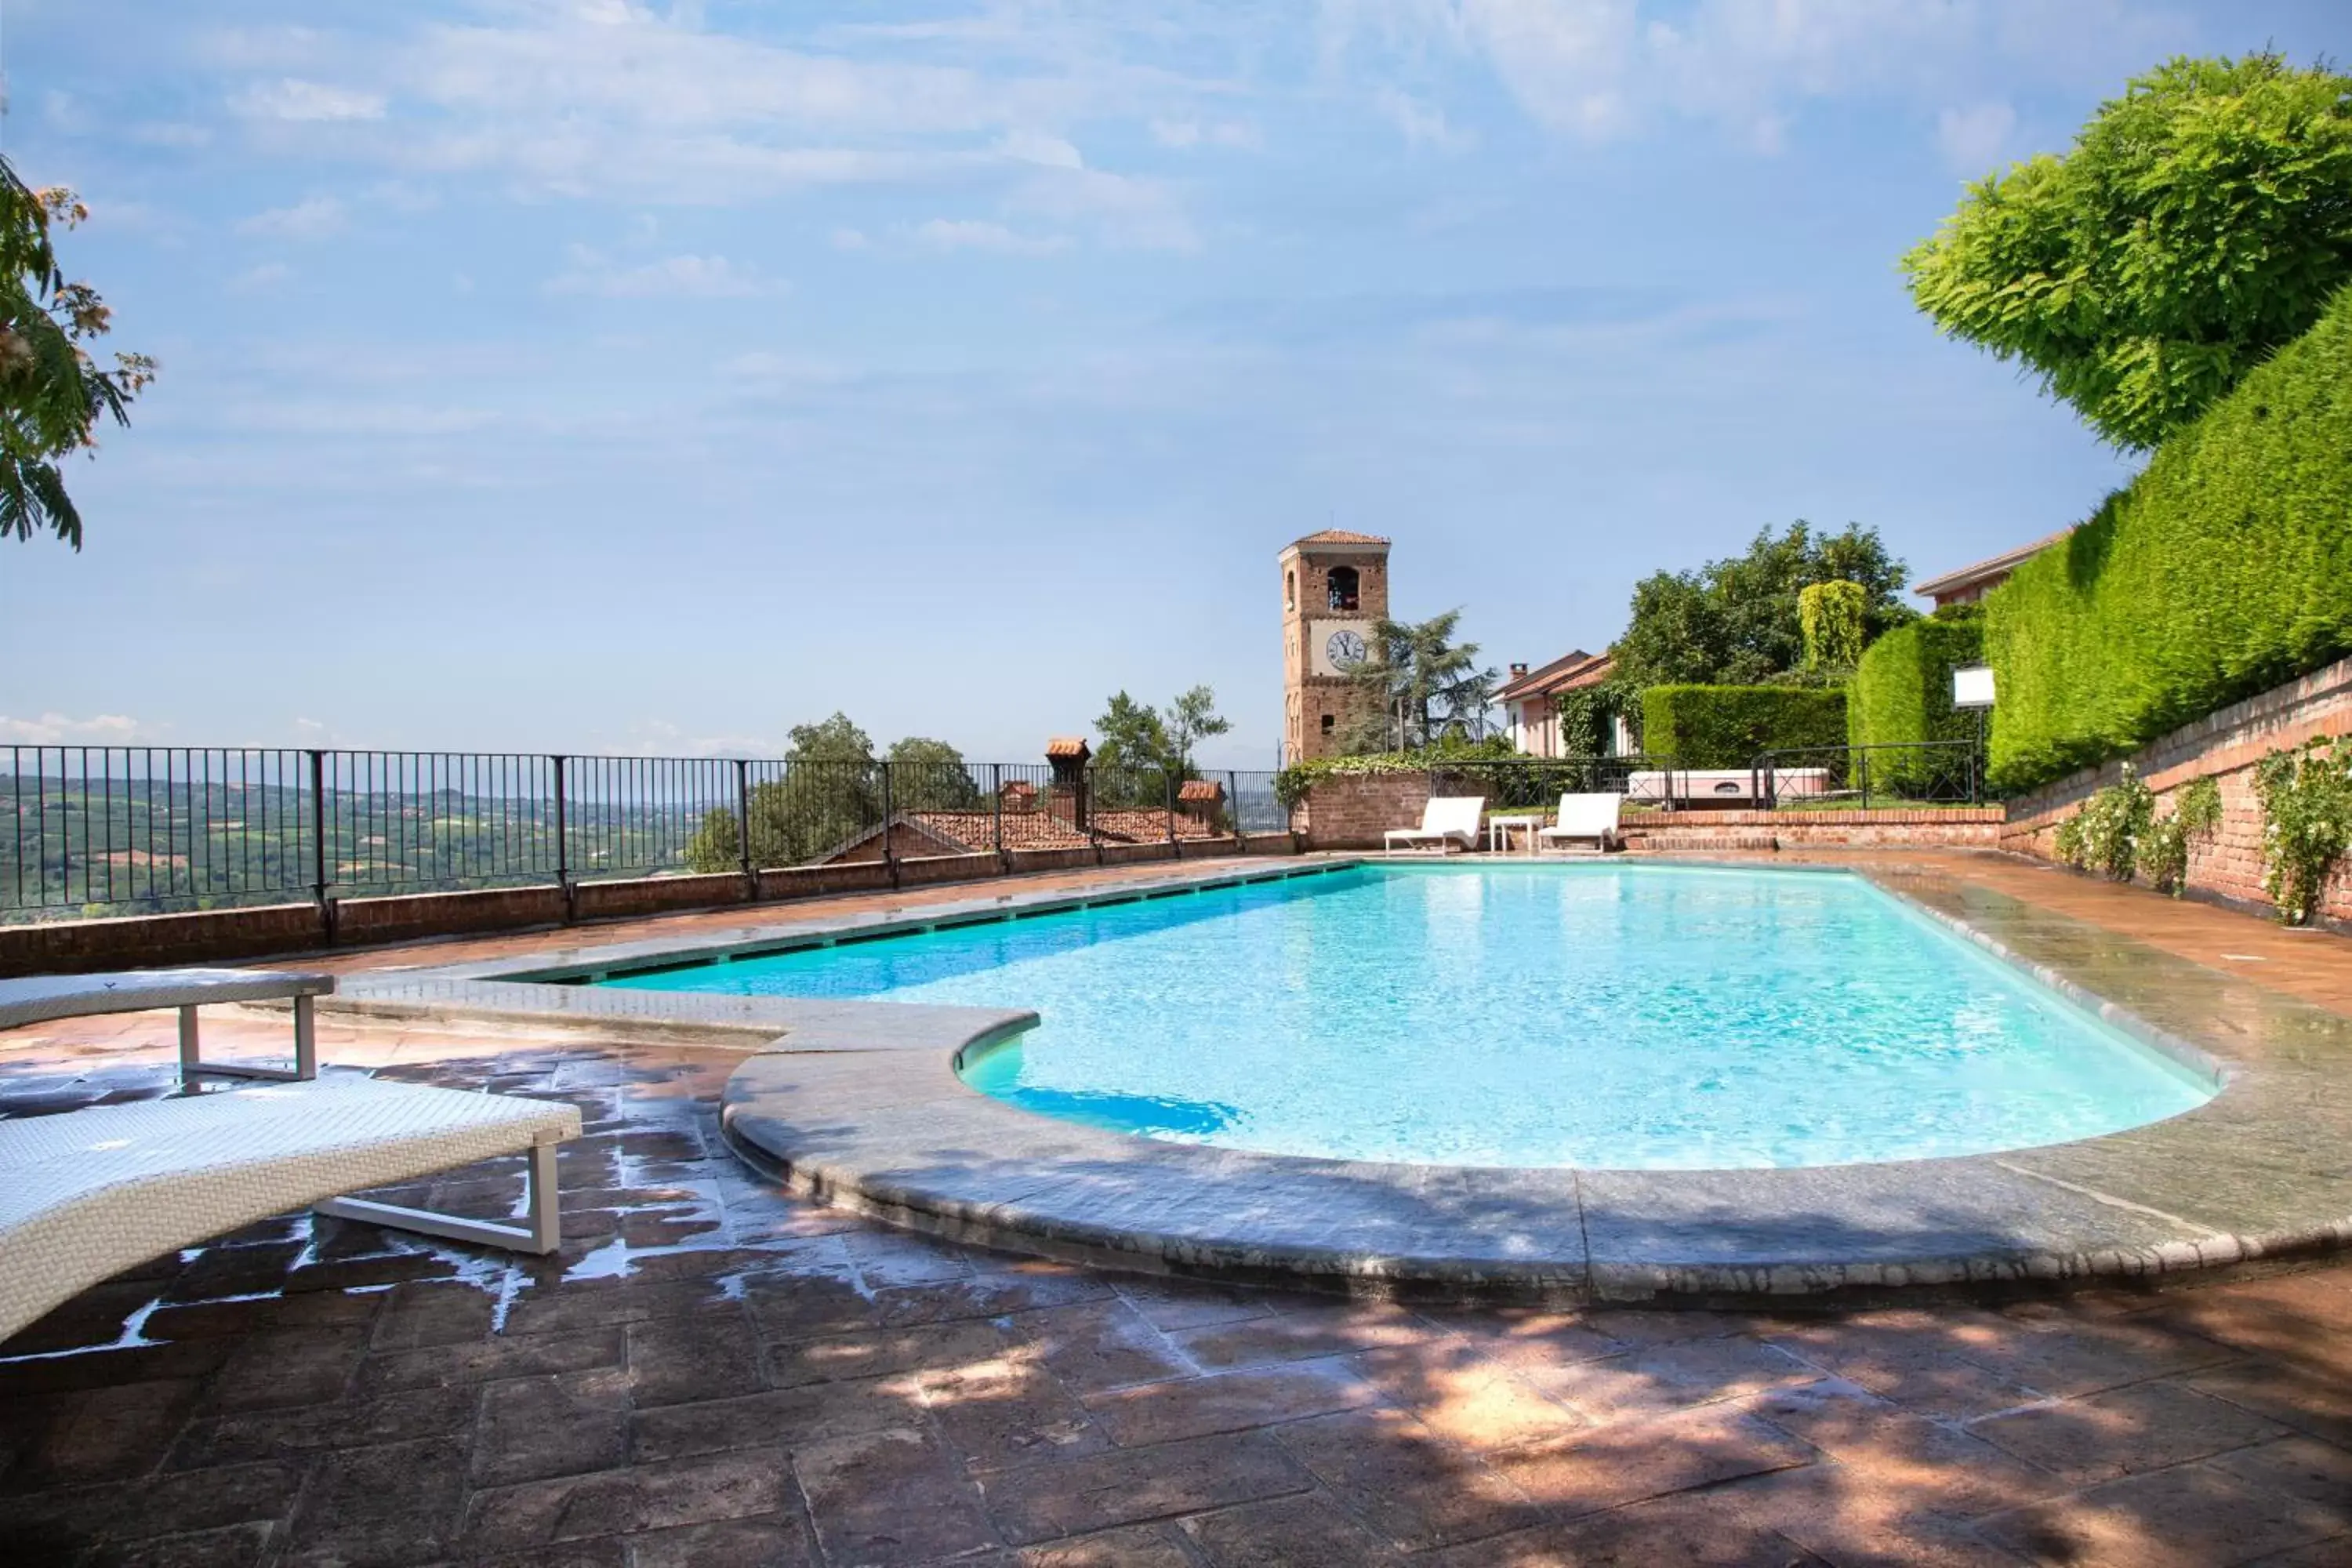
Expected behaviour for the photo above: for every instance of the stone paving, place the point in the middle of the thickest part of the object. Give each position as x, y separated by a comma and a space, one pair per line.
715, 1373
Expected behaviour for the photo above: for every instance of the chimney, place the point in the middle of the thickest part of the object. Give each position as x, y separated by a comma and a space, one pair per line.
1068, 755
1517, 670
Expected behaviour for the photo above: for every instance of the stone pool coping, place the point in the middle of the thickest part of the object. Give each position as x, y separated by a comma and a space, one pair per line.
858, 1103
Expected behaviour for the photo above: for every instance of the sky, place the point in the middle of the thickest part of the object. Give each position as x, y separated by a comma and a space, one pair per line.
586, 376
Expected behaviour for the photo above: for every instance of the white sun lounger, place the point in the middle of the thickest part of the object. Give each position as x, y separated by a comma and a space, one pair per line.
1446, 820
1592, 816
86, 1193
45, 998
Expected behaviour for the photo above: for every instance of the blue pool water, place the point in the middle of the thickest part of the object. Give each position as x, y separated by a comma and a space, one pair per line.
1652, 1016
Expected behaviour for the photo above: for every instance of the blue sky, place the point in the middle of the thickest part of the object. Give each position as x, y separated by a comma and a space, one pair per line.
573, 374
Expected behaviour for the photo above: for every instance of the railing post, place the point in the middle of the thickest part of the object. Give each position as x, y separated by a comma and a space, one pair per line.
1865, 778
563, 846
743, 830
1233, 805
1168, 782
889, 850
996, 796
319, 883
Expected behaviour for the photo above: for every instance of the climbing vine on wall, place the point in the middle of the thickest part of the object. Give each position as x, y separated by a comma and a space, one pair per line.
2306, 797
2164, 856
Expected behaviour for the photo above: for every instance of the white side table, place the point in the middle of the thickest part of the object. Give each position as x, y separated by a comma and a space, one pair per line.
1498, 836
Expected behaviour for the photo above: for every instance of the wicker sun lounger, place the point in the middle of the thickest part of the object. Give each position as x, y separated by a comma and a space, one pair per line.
45, 998
86, 1193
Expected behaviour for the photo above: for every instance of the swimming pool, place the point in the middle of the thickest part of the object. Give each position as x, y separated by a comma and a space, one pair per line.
1594, 1014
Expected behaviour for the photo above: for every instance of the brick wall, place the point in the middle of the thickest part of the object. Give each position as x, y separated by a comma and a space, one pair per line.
1353, 813
2224, 746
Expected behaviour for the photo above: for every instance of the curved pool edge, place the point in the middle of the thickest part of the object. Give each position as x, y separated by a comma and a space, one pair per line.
858, 1104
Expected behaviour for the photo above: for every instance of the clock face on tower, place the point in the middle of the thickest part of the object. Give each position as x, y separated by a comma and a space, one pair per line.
1345, 650
1334, 647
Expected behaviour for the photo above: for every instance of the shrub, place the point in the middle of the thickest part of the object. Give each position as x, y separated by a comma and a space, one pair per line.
2164, 853
2306, 797
2219, 572
1902, 694
2111, 827
1830, 615
1727, 726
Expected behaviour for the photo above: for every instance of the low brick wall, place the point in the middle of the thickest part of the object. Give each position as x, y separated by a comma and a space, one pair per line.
2224, 746
211, 936
1354, 814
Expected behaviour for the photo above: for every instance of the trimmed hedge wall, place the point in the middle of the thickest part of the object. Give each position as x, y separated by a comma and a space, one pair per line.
1725, 726
1901, 694
2224, 569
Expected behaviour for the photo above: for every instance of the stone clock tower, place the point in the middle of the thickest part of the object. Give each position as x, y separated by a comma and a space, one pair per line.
1335, 584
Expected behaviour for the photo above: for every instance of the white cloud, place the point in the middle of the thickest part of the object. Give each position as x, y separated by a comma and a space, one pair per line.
1037, 147
254, 278
675, 277
850, 240
1184, 135
1422, 124
316, 217
964, 234
57, 730
1973, 138
291, 98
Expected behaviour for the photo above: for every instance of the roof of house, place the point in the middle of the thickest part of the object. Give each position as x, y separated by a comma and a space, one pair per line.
1338, 536
1067, 746
1201, 789
1998, 565
1565, 673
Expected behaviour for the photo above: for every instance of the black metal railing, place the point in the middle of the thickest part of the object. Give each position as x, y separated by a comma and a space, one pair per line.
115, 830
1921, 772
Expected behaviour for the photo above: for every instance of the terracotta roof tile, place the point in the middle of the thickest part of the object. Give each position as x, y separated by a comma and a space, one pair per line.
1201, 789
1067, 746
1341, 536
1566, 673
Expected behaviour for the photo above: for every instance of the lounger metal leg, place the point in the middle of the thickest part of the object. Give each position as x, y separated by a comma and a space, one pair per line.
306, 1050
542, 1235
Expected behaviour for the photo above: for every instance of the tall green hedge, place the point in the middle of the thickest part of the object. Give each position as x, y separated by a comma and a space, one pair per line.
1727, 726
1902, 694
2225, 568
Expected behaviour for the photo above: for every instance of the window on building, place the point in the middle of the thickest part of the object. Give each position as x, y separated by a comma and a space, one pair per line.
1290, 590
1343, 587
1330, 722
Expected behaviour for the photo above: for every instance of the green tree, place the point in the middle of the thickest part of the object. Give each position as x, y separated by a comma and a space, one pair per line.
929, 775
1738, 621
1829, 616
53, 394
1428, 687
830, 792
1192, 719
2200, 221
1143, 747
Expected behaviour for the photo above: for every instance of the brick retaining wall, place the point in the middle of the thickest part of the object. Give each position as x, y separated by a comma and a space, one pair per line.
2224, 746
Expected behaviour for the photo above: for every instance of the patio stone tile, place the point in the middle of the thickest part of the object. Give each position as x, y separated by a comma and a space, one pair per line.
1174, 1304
779, 1542
2085, 1357
887, 1498
51, 1526
1879, 1447
712, 1355
440, 1312
2293, 1315
1131, 1486
2317, 1473
1669, 1376
382, 1507
1854, 1520
287, 1366
2146, 1426
1099, 1345
506, 1356
232, 1546
93, 1319
883, 1351
1007, 1411
94, 1435
2292, 1395
1914, 1365
1703, 1532
1464, 1393
802, 1308
1141, 1546
990, 1293
534, 1427
2194, 1516
312, 1309
1302, 1335
1286, 1532
1408, 1483
739, 1485
109, 1367
582, 1304
235, 1271
1629, 1461
1229, 1401
293, 1433
811, 1413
